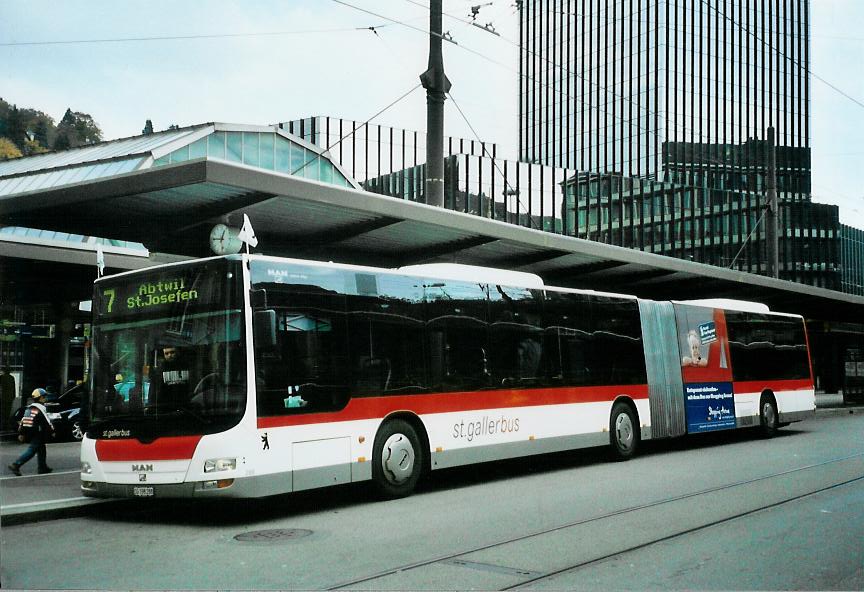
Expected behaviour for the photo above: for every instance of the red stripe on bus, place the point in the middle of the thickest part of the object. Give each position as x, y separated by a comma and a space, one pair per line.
375, 407
757, 386
172, 448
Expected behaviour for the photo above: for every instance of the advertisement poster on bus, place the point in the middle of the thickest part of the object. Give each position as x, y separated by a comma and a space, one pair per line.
705, 371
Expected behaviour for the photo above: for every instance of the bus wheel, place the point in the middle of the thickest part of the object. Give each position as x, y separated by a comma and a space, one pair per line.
623, 432
77, 432
397, 459
768, 416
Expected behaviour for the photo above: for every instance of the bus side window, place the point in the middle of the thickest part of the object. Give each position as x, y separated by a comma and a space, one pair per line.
516, 336
458, 334
385, 335
568, 339
306, 370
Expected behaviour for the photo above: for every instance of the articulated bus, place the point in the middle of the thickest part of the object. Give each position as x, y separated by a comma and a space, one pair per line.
247, 375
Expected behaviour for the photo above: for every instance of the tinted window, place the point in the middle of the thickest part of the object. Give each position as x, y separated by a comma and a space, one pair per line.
516, 337
593, 340
617, 354
307, 370
765, 347
385, 328
457, 335
567, 339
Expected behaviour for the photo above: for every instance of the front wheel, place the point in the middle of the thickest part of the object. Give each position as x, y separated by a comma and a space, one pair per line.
768, 419
397, 459
623, 432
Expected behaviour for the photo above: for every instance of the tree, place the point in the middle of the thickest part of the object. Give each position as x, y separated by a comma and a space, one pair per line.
40, 133
76, 129
148, 128
15, 129
8, 149
173, 126
62, 142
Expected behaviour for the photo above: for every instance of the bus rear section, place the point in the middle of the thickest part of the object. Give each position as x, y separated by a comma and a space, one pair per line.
728, 365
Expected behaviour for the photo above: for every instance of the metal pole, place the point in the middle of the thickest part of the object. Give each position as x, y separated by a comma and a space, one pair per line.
771, 218
436, 85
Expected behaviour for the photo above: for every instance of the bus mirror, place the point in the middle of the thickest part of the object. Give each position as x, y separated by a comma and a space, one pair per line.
258, 298
264, 322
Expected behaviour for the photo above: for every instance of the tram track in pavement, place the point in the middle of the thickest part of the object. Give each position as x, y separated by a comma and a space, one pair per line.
533, 576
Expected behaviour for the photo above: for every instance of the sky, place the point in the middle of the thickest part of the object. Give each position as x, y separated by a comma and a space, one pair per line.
266, 61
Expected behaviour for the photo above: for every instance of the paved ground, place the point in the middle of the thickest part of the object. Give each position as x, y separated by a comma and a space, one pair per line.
724, 511
34, 497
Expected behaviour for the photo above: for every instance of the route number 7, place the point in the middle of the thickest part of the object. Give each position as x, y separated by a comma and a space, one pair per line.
111, 295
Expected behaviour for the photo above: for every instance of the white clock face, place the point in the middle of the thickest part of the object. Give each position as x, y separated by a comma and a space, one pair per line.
224, 241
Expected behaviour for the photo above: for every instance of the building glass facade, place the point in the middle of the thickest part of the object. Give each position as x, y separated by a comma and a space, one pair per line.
520, 193
663, 107
715, 226
852, 258
367, 150
604, 84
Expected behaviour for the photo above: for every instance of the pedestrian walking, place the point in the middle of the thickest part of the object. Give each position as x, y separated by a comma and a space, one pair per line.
36, 429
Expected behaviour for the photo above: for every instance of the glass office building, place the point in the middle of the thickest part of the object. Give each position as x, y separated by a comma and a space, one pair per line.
715, 226
663, 106
605, 84
852, 258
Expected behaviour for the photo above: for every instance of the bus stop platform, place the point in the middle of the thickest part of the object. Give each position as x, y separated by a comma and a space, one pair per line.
34, 498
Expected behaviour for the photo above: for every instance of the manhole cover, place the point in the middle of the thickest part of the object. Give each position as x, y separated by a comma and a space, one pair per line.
274, 535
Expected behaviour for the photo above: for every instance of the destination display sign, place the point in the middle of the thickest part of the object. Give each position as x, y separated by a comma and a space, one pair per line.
165, 293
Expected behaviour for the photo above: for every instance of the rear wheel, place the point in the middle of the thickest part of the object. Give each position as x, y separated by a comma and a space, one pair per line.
623, 432
768, 419
397, 459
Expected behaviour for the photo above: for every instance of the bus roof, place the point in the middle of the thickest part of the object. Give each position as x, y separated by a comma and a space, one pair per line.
728, 304
475, 273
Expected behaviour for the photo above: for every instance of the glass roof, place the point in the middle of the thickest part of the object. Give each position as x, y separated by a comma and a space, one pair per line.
267, 150
67, 175
265, 147
19, 232
90, 153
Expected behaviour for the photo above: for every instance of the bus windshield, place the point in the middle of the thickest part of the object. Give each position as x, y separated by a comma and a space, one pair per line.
168, 352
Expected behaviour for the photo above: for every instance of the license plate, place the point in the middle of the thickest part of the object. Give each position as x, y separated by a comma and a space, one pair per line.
142, 491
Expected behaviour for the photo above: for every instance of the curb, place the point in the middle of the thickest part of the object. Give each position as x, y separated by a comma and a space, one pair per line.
839, 411
72, 507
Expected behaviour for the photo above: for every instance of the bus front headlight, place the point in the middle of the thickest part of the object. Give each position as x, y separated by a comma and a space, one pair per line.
220, 464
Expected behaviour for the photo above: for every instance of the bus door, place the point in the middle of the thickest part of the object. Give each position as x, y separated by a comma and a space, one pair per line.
706, 371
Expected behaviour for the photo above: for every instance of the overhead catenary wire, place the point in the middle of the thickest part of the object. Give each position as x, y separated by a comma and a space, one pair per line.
510, 190
365, 123
191, 37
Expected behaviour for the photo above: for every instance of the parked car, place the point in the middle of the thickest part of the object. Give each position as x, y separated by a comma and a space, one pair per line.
64, 412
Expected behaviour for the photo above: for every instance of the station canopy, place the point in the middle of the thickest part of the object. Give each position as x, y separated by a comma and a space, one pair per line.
167, 190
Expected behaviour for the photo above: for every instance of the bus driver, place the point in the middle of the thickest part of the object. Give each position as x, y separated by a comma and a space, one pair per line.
171, 379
